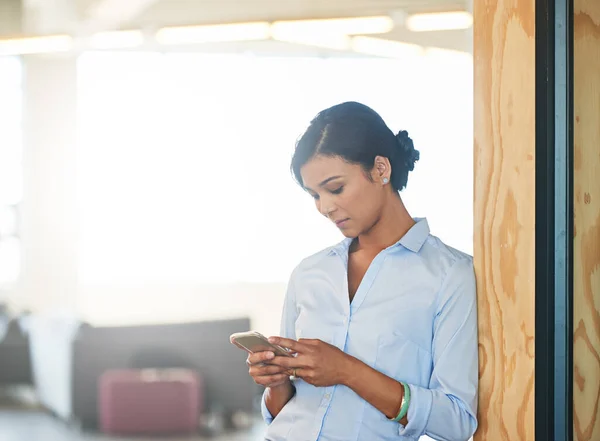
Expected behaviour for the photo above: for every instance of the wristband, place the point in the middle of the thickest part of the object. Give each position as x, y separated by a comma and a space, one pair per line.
404, 405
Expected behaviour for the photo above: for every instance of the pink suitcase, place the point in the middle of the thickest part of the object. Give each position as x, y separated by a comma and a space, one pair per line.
149, 401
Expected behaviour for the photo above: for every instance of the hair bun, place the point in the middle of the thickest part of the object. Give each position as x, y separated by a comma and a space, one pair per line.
408, 149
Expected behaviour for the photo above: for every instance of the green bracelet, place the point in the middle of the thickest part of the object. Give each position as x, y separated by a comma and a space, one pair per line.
405, 403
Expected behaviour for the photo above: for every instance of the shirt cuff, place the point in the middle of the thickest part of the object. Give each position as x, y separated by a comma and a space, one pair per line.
263, 409
419, 409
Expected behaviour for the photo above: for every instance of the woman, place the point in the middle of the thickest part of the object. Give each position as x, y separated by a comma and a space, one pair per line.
383, 325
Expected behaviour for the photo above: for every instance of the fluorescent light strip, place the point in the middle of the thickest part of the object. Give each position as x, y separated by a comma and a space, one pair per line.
117, 40
439, 21
328, 33
213, 33
385, 48
344, 26
36, 45
297, 31
328, 41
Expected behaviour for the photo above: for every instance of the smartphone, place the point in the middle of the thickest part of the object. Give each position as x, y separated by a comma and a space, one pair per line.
253, 341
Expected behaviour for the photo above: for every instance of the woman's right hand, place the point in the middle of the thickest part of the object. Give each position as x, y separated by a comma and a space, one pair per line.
264, 374
276, 379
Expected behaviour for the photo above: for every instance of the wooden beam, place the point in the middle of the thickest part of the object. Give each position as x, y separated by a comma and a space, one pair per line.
586, 244
504, 215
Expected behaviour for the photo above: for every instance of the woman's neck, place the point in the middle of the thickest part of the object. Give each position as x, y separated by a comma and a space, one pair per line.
393, 223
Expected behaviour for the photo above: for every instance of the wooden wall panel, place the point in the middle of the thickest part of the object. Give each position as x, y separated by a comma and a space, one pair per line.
504, 218
586, 245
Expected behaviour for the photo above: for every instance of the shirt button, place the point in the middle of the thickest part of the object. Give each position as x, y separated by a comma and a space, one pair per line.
327, 396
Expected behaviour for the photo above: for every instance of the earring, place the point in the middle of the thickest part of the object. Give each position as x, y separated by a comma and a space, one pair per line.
385, 181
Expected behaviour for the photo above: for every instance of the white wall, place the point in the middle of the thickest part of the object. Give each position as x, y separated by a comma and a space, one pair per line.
120, 304
49, 212
51, 224
49, 280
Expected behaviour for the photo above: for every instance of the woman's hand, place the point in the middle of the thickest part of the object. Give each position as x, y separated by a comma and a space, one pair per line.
316, 362
265, 374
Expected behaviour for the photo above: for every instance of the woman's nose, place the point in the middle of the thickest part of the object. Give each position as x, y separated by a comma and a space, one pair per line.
326, 207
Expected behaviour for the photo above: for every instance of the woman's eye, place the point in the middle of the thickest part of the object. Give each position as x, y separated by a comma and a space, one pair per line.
338, 190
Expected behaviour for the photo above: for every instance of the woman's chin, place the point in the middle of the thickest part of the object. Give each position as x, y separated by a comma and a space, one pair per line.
348, 232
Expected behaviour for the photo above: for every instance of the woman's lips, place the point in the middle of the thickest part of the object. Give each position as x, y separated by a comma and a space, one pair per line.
342, 222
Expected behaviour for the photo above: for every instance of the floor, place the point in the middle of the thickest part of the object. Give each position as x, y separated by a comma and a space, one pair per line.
22, 419
19, 425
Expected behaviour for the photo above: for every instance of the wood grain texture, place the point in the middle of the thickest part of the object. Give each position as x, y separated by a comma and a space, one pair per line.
504, 217
586, 245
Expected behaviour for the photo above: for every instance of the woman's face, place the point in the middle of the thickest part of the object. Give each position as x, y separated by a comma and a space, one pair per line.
344, 194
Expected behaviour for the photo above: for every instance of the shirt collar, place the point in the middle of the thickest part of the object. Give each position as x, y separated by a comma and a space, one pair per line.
413, 240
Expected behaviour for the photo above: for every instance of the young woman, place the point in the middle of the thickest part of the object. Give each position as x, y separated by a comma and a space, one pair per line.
384, 324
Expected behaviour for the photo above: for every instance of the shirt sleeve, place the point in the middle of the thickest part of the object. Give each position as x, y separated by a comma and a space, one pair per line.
447, 409
287, 330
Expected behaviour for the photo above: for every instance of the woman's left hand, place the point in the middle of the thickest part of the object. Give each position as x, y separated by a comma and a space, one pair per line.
316, 362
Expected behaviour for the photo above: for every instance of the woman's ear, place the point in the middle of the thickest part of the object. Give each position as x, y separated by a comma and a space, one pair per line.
382, 170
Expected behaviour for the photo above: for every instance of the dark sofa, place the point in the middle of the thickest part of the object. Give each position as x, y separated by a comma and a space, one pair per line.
15, 361
68, 359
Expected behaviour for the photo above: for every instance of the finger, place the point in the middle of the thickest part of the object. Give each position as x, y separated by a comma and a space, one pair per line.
271, 380
287, 343
259, 357
279, 383
311, 341
289, 362
284, 379
258, 371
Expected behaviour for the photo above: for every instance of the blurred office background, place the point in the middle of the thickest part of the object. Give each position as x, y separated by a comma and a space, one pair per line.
147, 210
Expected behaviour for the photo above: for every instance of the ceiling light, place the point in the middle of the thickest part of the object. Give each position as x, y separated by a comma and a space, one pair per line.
439, 21
213, 33
323, 40
347, 26
36, 45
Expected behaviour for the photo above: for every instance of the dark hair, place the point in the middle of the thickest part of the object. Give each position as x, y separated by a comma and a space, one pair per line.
357, 134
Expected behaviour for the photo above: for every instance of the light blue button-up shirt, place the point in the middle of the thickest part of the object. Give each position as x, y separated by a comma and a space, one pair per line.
413, 318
